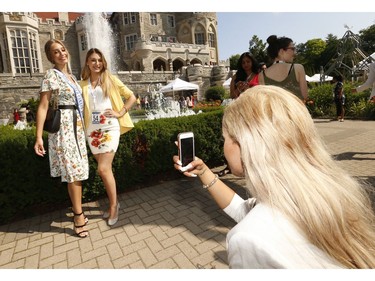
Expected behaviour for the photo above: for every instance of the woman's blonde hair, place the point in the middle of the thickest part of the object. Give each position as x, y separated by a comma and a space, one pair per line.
288, 167
105, 76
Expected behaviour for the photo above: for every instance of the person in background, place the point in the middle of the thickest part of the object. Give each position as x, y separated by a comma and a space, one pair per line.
66, 148
284, 72
30, 117
138, 102
106, 118
16, 116
339, 97
305, 211
246, 75
369, 83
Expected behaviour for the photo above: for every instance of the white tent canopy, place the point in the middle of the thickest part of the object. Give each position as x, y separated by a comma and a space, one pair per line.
226, 83
178, 85
316, 78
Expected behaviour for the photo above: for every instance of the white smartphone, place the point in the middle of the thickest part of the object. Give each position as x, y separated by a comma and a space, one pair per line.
186, 148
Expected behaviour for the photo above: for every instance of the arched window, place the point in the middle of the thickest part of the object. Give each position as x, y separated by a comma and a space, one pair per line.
211, 37
199, 35
177, 64
196, 61
159, 65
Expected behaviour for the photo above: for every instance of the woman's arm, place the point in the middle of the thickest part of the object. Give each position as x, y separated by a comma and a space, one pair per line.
40, 119
234, 92
301, 76
127, 94
220, 192
369, 81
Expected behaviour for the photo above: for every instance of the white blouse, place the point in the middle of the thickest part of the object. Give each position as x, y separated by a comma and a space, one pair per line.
370, 82
264, 238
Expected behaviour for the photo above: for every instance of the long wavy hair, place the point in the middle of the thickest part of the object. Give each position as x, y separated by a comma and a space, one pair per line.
105, 76
288, 167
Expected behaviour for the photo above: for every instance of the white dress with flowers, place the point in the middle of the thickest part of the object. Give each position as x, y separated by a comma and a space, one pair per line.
103, 133
67, 156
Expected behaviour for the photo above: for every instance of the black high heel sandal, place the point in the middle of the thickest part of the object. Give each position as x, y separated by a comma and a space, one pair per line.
86, 218
79, 234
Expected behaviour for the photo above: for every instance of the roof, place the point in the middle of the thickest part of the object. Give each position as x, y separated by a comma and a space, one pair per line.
55, 15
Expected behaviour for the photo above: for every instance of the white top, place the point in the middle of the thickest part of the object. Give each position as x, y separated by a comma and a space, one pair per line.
98, 101
264, 238
370, 82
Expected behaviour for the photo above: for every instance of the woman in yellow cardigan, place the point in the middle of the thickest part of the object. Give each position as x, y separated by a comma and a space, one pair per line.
106, 118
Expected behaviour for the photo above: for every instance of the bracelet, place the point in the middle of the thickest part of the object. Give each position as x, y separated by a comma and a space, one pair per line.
211, 183
124, 112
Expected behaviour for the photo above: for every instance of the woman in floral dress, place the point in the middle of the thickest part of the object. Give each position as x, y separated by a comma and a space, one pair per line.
106, 118
66, 148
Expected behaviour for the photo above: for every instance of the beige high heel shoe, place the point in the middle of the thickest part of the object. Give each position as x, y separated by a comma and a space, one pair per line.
113, 221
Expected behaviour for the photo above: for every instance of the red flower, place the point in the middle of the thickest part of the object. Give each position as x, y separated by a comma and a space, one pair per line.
95, 142
96, 134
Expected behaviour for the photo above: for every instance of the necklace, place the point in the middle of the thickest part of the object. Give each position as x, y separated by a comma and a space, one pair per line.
279, 61
249, 77
96, 83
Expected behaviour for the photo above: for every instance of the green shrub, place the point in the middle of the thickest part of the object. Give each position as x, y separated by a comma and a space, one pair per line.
215, 93
322, 103
144, 157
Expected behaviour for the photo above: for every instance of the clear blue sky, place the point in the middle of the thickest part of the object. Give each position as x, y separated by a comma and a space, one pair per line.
235, 29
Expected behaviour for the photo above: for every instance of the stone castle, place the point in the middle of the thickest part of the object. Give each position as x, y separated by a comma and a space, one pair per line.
150, 49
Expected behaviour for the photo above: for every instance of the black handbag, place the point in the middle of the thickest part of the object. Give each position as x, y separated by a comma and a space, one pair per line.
53, 117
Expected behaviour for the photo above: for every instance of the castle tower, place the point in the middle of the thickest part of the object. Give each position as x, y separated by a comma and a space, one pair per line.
166, 41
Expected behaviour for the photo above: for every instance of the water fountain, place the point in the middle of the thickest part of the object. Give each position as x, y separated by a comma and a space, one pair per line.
165, 107
100, 35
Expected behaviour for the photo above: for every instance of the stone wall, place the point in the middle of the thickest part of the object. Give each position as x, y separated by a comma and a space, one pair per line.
17, 89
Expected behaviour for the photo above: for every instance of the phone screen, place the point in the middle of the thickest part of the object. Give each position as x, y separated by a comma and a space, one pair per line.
187, 150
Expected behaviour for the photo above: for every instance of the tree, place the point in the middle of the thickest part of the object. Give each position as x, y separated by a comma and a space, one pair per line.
329, 54
258, 49
367, 36
233, 62
310, 54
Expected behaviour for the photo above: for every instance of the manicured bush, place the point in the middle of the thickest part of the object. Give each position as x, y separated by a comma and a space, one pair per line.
144, 157
215, 93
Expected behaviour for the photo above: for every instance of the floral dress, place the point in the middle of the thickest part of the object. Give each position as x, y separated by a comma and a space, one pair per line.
67, 155
103, 133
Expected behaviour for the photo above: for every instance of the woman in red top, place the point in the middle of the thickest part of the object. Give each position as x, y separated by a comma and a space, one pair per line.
16, 116
246, 76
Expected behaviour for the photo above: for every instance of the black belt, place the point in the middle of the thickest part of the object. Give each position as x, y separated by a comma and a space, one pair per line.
72, 106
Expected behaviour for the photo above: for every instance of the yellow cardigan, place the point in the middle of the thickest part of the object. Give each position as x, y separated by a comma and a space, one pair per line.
119, 90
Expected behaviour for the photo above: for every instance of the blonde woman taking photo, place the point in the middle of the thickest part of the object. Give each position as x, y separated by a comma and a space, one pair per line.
305, 210
106, 118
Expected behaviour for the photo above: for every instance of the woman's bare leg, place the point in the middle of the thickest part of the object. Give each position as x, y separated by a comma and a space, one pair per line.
105, 171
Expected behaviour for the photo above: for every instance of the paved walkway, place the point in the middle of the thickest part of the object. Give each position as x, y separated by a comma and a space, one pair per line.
171, 225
